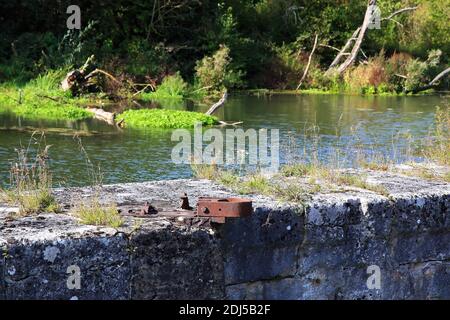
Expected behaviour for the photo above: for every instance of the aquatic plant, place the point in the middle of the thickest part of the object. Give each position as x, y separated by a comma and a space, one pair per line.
161, 118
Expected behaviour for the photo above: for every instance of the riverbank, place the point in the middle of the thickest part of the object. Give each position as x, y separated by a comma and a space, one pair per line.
319, 250
34, 102
42, 98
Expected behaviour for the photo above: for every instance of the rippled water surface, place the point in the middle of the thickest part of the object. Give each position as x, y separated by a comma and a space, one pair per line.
374, 124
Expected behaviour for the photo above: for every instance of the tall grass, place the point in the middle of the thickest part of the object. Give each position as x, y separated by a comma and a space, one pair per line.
437, 145
42, 98
91, 211
31, 179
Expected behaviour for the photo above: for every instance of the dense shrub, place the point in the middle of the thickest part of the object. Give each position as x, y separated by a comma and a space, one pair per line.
365, 78
421, 72
214, 72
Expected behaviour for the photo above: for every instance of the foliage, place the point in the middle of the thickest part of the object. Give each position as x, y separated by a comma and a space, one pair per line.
41, 98
366, 78
161, 118
97, 214
266, 40
172, 87
420, 72
214, 72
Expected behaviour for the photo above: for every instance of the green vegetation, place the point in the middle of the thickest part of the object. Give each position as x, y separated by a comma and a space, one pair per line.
294, 183
41, 98
94, 213
230, 43
160, 118
214, 73
172, 87
31, 183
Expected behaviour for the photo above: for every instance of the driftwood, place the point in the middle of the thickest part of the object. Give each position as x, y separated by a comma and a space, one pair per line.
432, 83
305, 73
358, 37
218, 104
224, 123
83, 79
103, 115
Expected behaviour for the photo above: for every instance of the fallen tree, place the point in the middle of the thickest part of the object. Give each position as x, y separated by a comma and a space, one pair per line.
432, 84
85, 79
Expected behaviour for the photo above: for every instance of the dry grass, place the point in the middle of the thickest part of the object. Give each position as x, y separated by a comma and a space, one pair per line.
30, 185
437, 145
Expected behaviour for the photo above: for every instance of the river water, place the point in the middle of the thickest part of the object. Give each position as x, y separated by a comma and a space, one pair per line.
309, 125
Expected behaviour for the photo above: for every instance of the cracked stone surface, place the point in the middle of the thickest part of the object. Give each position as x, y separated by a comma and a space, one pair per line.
283, 251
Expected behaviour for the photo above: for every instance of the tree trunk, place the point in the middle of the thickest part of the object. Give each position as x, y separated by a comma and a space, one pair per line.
432, 83
352, 57
344, 50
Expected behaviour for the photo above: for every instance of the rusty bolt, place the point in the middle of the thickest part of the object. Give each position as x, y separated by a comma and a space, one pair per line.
185, 202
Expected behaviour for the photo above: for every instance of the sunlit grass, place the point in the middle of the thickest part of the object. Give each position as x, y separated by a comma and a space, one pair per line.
94, 213
31, 181
42, 98
437, 145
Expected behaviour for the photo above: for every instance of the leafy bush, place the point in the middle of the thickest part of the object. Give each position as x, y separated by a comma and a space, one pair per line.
365, 78
421, 72
161, 118
172, 87
214, 72
284, 69
320, 80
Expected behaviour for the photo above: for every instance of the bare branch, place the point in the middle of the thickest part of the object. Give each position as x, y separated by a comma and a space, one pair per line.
398, 12
309, 62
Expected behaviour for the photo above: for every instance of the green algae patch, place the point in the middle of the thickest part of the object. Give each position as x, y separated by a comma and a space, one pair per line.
162, 118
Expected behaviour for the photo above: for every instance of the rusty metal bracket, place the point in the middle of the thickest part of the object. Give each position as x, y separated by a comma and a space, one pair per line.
215, 209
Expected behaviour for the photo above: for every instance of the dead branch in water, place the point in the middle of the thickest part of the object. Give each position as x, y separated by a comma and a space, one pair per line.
218, 104
103, 115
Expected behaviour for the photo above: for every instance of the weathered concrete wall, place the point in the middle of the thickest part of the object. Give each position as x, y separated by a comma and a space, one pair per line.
281, 252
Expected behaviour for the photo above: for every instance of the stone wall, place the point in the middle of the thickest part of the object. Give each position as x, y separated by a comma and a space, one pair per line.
281, 252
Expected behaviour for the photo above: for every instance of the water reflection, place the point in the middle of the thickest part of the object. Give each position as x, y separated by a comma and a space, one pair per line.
129, 155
